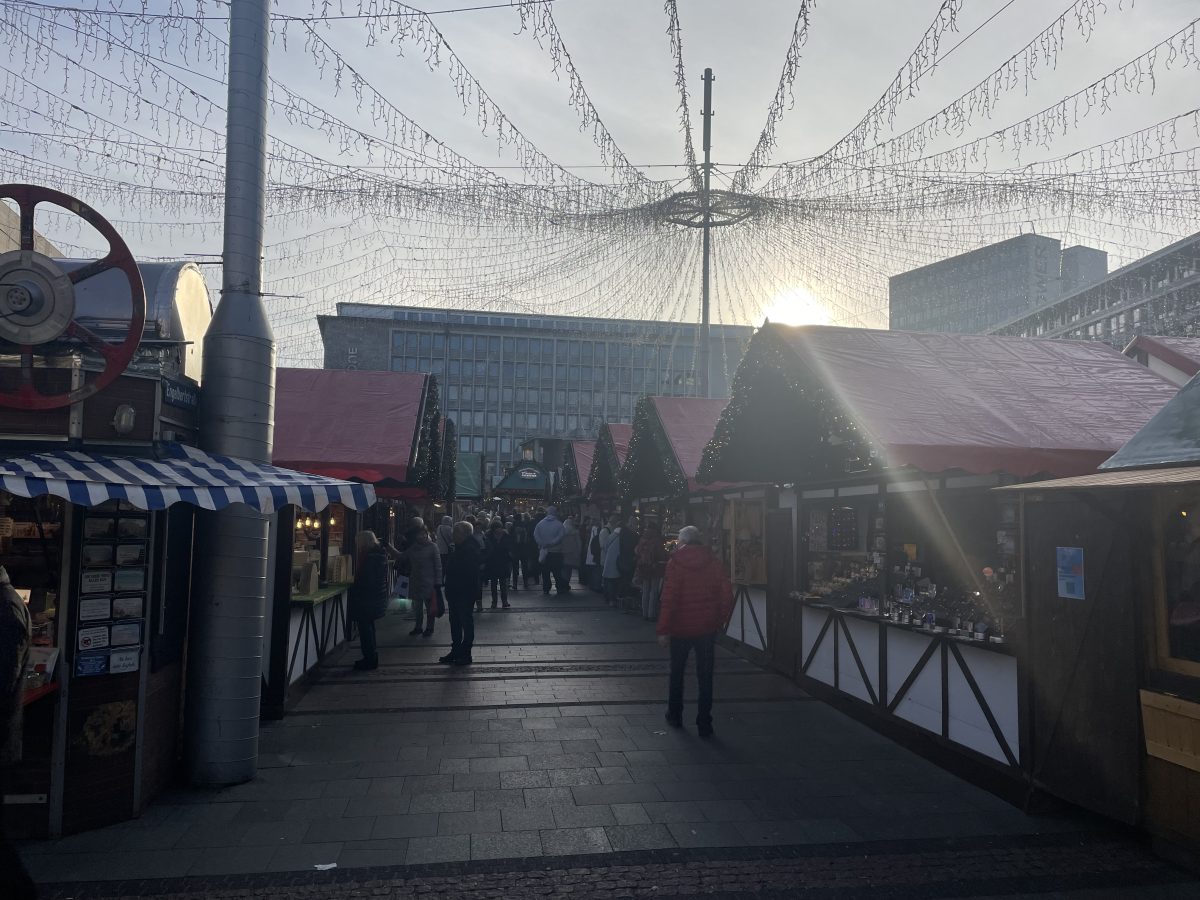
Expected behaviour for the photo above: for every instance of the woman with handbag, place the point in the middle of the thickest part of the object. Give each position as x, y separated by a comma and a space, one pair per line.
369, 595
424, 563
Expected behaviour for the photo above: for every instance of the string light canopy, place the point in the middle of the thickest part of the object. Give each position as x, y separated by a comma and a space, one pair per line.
121, 104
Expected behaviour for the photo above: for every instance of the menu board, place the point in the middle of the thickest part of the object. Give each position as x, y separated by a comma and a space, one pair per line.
113, 579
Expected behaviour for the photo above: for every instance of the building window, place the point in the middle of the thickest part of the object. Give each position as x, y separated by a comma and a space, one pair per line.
439, 343
455, 343
464, 444
477, 444
426, 344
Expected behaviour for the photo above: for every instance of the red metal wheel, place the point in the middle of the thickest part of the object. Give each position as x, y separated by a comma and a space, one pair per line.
37, 301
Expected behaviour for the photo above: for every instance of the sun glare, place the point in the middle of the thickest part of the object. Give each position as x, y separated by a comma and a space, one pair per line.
797, 306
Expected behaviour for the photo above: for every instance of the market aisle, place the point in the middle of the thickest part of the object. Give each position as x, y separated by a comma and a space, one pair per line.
553, 745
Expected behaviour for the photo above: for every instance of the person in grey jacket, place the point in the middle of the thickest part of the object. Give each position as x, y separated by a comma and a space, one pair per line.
15, 636
424, 580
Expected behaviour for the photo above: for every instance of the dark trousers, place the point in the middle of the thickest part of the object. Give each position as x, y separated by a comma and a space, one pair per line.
366, 637
680, 648
552, 565
499, 582
516, 572
462, 625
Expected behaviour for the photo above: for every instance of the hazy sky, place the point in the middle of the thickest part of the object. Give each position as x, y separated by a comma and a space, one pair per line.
622, 52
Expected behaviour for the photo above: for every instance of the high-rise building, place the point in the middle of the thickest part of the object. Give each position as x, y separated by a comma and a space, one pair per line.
1158, 294
973, 291
508, 377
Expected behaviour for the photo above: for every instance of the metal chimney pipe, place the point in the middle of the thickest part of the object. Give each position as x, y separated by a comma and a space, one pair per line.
236, 419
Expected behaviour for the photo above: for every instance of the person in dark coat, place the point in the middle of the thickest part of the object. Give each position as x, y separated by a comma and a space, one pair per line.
369, 596
497, 562
627, 559
697, 601
463, 590
522, 539
15, 633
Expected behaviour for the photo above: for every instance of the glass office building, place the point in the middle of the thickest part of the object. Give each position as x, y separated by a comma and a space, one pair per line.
509, 377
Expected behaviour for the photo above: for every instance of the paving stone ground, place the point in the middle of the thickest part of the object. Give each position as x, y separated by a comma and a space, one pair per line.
546, 769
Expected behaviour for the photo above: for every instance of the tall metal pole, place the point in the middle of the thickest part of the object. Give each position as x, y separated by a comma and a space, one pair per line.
705, 337
236, 419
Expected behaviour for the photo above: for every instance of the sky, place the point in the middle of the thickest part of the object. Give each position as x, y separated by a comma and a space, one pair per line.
621, 51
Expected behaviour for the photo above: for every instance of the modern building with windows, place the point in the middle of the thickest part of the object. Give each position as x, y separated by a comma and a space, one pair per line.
1158, 294
974, 291
508, 377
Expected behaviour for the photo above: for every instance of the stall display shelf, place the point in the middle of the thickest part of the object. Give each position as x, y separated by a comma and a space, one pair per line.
321, 595
987, 643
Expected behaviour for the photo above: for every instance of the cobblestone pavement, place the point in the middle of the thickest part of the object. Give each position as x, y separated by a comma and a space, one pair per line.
546, 769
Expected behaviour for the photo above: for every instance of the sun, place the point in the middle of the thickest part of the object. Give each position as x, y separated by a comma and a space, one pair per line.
797, 306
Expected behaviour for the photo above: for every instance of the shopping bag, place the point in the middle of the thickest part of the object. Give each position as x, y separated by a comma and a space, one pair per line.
438, 604
400, 587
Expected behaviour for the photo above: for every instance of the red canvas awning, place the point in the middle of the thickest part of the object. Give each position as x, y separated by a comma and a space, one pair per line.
1182, 353
348, 424
583, 452
621, 434
688, 423
981, 403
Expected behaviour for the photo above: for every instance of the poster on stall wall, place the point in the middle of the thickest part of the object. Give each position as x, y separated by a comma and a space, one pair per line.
1069, 562
127, 608
95, 609
120, 661
126, 634
93, 638
87, 664
96, 582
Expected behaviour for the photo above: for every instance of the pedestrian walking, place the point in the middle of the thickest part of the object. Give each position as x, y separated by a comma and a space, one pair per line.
591, 554
424, 564
498, 561
548, 535
369, 595
697, 601
627, 561
15, 638
650, 567
572, 552
610, 553
463, 591
445, 538
522, 542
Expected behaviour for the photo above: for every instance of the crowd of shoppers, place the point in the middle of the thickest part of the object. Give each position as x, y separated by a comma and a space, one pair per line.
686, 593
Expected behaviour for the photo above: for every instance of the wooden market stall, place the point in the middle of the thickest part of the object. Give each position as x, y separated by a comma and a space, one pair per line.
1176, 359
377, 428
570, 488
903, 565
1113, 579
525, 487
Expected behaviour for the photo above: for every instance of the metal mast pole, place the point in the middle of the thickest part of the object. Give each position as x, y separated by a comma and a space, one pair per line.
706, 346
236, 419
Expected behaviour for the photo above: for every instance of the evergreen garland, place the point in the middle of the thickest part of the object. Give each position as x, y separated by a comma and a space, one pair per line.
427, 468
449, 461
602, 477
812, 434
651, 468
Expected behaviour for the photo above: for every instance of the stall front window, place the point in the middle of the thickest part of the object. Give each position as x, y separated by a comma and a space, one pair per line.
1180, 610
31, 551
843, 561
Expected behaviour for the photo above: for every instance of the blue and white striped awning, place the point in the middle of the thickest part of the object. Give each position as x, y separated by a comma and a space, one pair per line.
177, 474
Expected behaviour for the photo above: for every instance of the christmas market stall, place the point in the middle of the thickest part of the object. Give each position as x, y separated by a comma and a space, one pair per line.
659, 478
101, 486
902, 565
525, 487
570, 488
612, 446
376, 428
468, 483
1112, 577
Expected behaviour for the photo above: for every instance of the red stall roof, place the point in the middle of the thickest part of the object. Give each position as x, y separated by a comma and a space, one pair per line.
348, 424
1182, 353
584, 452
982, 403
621, 435
689, 423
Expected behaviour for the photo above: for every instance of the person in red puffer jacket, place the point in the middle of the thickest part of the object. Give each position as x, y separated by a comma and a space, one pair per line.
697, 601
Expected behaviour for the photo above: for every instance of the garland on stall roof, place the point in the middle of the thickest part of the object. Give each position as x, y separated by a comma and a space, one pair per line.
649, 445
567, 485
427, 472
449, 461
770, 363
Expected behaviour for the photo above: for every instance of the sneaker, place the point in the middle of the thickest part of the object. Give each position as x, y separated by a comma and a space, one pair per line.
705, 731
428, 632
416, 631
461, 661
675, 721
508, 606
449, 659
366, 665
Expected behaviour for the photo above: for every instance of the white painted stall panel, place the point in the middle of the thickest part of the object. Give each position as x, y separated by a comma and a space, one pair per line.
866, 640
821, 667
996, 675
922, 704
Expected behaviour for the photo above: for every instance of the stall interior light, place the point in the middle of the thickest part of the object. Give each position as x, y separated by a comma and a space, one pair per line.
1183, 512
299, 524
332, 521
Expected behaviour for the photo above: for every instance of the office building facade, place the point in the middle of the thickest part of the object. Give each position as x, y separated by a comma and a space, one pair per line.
974, 291
508, 377
1158, 294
